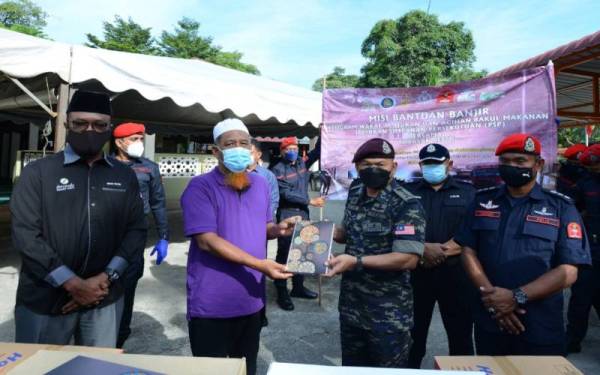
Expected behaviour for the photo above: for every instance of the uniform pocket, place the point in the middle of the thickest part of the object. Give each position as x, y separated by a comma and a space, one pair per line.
486, 223
544, 231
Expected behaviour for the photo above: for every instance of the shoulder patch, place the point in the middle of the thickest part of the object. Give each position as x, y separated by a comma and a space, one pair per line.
485, 190
560, 195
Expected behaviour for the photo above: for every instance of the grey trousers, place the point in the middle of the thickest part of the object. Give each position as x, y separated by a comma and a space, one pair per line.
95, 327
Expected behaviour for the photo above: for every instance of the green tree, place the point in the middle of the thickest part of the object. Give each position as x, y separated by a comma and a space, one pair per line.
570, 136
186, 42
336, 80
125, 35
417, 50
23, 16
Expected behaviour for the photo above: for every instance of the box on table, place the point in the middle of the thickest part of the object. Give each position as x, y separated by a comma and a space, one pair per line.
44, 361
11, 354
509, 365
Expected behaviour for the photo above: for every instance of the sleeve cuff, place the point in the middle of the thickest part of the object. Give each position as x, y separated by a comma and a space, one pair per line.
408, 247
118, 264
59, 276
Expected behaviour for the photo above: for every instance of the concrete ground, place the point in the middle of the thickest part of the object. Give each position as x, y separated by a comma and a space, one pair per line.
310, 334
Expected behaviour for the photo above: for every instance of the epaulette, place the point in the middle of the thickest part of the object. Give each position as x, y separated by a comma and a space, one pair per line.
466, 182
404, 194
485, 190
560, 195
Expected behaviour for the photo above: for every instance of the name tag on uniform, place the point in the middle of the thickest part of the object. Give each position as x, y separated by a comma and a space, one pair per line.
486, 213
543, 220
454, 196
404, 230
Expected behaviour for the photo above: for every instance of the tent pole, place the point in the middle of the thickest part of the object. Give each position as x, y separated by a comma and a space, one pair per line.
60, 132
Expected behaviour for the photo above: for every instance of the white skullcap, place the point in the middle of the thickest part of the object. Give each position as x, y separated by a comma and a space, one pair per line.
228, 125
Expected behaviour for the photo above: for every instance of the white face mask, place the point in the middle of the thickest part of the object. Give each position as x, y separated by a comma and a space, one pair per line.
135, 150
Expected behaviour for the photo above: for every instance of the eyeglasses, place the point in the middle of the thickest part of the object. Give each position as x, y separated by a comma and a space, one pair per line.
79, 126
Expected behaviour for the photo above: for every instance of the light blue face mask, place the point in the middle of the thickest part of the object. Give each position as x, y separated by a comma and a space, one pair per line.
434, 173
237, 159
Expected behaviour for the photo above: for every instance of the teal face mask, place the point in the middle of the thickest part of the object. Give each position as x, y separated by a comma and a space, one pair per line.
237, 159
434, 173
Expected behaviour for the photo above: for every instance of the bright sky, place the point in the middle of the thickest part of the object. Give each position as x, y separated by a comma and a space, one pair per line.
299, 41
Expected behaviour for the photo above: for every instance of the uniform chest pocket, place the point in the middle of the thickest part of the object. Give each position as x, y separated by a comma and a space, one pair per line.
375, 228
486, 223
546, 232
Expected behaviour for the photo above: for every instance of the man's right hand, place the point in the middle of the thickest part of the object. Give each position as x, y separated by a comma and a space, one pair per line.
88, 292
274, 270
317, 202
433, 255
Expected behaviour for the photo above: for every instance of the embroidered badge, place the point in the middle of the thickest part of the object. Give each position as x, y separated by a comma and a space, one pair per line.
574, 231
529, 145
431, 148
544, 212
489, 205
386, 148
405, 230
543, 220
492, 214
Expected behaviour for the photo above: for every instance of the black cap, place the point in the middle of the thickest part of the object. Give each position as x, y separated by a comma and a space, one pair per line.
434, 151
89, 101
374, 148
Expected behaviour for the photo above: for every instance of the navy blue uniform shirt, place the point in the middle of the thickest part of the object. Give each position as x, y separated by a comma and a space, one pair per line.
519, 240
588, 202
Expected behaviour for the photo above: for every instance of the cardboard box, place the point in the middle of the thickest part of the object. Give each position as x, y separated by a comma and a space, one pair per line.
44, 361
278, 368
510, 365
11, 354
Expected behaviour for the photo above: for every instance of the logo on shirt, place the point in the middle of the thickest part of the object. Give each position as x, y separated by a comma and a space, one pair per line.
454, 196
574, 231
489, 205
405, 230
544, 212
64, 185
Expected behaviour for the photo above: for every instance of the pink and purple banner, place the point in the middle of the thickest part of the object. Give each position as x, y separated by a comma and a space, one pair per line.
469, 118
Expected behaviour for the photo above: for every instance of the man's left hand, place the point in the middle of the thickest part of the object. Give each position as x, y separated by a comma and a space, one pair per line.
161, 250
340, 264
499, 299
286, 227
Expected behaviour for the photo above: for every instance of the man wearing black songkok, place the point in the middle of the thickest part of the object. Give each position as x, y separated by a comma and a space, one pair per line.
78, 221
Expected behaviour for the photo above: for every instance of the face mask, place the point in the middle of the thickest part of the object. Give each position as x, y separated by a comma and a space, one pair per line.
374, 178
515, 176
88, 143
237, 159
291, 155
135, 150
434, 173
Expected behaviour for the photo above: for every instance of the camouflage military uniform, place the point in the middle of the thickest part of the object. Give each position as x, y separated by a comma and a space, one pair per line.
376, 307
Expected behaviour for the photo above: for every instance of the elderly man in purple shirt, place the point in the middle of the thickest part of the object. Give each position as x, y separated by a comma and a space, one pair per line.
227, 214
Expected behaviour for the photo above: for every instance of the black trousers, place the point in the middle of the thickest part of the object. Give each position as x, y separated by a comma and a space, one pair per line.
231, 337
447, 285
130, 279
585, 293
283, 245
490, 343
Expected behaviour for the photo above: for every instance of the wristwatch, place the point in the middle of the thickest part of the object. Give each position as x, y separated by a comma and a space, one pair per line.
520, 296
112, 275
359, 263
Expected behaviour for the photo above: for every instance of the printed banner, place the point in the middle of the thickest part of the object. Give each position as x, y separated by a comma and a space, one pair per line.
469, 118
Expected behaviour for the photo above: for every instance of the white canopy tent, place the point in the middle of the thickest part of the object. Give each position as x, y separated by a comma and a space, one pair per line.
167, 94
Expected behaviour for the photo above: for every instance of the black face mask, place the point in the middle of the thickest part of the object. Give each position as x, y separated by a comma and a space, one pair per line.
374, 178
88, 143
515, 176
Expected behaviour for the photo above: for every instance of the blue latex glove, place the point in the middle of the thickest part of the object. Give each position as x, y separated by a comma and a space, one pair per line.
161, 251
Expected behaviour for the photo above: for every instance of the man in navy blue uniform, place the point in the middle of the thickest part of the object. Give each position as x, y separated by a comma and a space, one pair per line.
571, 170
129, 138
521, 248
293, 176
440, 276
585, 293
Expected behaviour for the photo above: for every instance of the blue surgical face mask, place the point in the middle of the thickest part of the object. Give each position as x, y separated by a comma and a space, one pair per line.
237, 159
434, 173
291, 155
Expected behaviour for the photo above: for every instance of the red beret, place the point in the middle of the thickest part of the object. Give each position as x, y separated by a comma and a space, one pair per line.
374, 148
127, 129
288, 141
520, 143
574, 151
591, 155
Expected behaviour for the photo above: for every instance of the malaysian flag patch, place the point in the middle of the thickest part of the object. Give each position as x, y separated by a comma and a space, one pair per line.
405, 230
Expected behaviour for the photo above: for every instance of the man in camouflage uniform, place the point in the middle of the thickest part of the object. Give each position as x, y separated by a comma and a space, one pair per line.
384, 233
